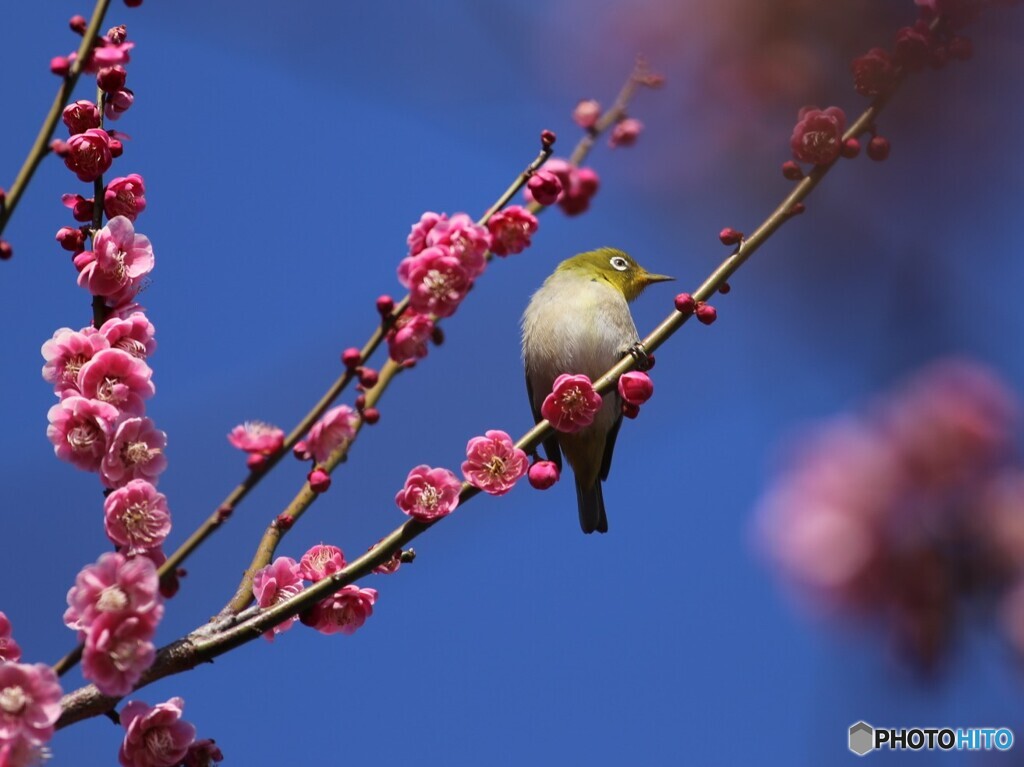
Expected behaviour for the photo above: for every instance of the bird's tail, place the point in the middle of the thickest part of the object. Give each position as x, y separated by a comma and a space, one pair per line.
591, 506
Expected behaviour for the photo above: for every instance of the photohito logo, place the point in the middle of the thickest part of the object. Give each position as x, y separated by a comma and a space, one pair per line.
864, 738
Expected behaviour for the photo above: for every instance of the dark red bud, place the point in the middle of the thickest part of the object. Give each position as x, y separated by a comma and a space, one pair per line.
71, 239
367, 377
797, 209
351, 358
319, 480
437, 336
59, 148
133, 3
116, 148
256, 462
630, 410
878, 148
360, 402
547, 138
850, 148
685, 303
792, 171
284, 521
60, 66
111, 79
724, 288
6, 251
706, 313
371, 415
385, 305
730, 236
650, 362
78, 24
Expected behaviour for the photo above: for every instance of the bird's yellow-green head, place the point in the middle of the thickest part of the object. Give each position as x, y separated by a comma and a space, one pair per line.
613, 266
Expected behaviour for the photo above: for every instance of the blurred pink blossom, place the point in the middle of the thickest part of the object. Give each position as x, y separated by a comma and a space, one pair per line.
116, 585
155, 736
335, 428
257, 437
29, 702
511, 230
407, 339
117, 652
9, 650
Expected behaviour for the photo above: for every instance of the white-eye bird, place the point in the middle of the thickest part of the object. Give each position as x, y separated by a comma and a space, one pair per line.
578, 322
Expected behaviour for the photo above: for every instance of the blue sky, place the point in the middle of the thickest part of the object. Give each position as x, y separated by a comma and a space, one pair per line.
287, 148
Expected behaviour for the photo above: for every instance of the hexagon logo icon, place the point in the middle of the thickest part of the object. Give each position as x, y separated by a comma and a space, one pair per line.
862, 738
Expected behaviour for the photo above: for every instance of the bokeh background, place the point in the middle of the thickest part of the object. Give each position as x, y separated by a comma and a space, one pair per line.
288, 147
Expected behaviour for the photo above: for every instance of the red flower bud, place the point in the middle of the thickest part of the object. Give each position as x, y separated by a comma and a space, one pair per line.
371, 415
548, 138
6, 251
111, 79
630, 410
542, 475
635, 387
851, 148
685, 303
706, 313
385, 305
71, 239
792, 171
878, 148
78, 24
545, 187
319, 480
367, 377
730, 236
351, 358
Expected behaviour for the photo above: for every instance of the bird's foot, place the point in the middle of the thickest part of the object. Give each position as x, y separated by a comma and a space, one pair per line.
640, 355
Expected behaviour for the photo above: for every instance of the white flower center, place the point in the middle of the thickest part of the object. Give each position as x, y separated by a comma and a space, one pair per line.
429, 498
71, 368
82, 436
134, 453
13, 700
112, 599
495, 467
572, 401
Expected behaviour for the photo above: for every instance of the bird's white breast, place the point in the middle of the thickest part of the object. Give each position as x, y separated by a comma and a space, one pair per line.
574, 325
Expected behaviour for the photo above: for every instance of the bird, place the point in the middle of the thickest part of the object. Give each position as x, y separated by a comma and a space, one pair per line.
578, 322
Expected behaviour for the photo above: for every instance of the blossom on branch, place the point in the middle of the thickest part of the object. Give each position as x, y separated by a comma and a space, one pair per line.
155, 736
429, 494
493, 463
572, 404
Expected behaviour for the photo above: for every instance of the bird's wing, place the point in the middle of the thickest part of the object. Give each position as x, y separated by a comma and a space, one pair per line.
551, 443
609, 448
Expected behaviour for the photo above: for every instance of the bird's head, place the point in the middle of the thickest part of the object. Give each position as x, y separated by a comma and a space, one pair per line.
615, 267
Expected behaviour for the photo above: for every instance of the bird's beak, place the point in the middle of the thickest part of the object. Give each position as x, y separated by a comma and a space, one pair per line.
650, 279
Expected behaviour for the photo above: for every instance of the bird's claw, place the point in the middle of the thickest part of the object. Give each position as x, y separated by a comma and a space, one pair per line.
640, 356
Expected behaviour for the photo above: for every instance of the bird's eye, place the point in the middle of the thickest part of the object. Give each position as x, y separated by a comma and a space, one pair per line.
619, 264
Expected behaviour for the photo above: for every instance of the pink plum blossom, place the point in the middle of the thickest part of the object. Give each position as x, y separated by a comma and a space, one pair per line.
818, 135
119, 379
429, 494
120, 259
29, 702
81, 116
334, 429
417, 239
80, 430
9, 650
407, 339
136, 517
321, 561
464, 239
257, 437
572, 404
635, 387
66, 353
117, 652
116, 585
125, 196
275, 583
511, 230
155, 736
133, 334
136, 451
437, 283
108, 54
493, 463
88, 154
342, 612
578, 185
